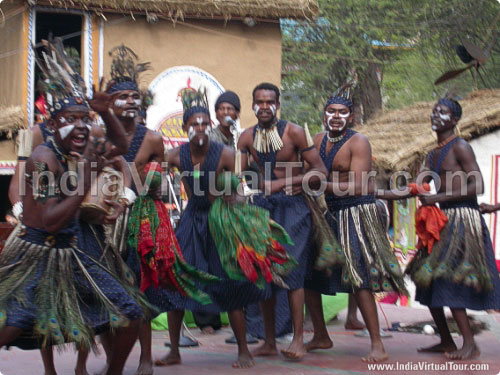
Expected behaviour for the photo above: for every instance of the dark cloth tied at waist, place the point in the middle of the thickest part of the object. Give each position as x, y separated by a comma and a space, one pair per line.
470, 203
339, 203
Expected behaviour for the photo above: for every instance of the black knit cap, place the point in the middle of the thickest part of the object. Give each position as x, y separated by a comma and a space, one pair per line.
229, 97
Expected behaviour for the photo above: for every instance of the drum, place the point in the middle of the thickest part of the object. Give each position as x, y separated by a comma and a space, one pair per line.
107, 186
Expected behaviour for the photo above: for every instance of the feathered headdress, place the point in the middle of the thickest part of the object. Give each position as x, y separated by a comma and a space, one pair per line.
125, 69
194, 102
342, 96
62, 85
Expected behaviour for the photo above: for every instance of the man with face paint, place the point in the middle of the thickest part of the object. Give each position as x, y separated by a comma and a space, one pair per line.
269, 142
227, 104
459, 271
41, 134
200, 162
51, 234
144, 146
370, 263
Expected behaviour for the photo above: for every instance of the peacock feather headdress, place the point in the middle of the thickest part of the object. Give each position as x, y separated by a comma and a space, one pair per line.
194, 102
125, 69
62, 85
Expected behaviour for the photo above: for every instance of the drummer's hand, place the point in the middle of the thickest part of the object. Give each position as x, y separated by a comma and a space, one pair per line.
118, 209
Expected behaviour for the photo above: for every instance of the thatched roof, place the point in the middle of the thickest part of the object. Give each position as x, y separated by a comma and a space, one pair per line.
178, 9
402, 137
11, 118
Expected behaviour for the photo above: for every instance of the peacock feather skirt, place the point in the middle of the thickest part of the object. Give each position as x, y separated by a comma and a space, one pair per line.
54, 288
460, 271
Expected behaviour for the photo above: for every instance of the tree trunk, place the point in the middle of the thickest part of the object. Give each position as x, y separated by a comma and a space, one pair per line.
370, 94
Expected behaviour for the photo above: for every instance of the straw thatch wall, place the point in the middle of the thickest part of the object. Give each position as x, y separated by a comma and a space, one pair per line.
402, 138
11, 118
178, 9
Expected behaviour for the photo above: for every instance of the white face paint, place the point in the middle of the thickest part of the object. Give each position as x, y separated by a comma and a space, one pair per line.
137, 102
191, 133
130, 113
201, 142
439, 120
272, 107
256, 109
444, 117
65, 130
120, 103
89, 127
199, 120
343, 118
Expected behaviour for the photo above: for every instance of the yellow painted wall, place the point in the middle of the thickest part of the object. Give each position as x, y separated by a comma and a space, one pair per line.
238, 56
13, 48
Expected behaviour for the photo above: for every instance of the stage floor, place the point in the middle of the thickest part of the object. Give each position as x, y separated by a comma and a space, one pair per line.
213, 356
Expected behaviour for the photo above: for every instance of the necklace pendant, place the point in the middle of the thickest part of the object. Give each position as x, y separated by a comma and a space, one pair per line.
335, 139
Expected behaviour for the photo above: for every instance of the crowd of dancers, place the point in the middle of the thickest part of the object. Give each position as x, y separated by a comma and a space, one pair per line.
66, 276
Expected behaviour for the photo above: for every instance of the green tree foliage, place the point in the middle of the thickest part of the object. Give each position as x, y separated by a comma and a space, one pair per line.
393, 49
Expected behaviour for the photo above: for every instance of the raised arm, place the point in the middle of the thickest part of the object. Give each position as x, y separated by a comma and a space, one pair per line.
115, 133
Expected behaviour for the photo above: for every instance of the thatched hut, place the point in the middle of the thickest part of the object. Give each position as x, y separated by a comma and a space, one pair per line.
402, 138
222, 44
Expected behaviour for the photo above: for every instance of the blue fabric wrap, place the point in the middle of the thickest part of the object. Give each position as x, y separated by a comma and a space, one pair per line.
328, 158
291, 212
435, 165
123, 85
339, 100
445, 293
199, 249
191, 111
455, 107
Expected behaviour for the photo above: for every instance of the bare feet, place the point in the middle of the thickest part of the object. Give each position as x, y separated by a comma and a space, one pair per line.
377, 355
208, 330
170, 359
319, 343
296, 351
439, 348
467, 352
145, 368
245, 360
354, 324
265, 350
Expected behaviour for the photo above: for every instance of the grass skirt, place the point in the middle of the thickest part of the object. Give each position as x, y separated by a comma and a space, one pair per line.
369, 260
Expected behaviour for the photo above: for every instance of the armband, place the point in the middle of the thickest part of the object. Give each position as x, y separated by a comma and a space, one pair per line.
17, 209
